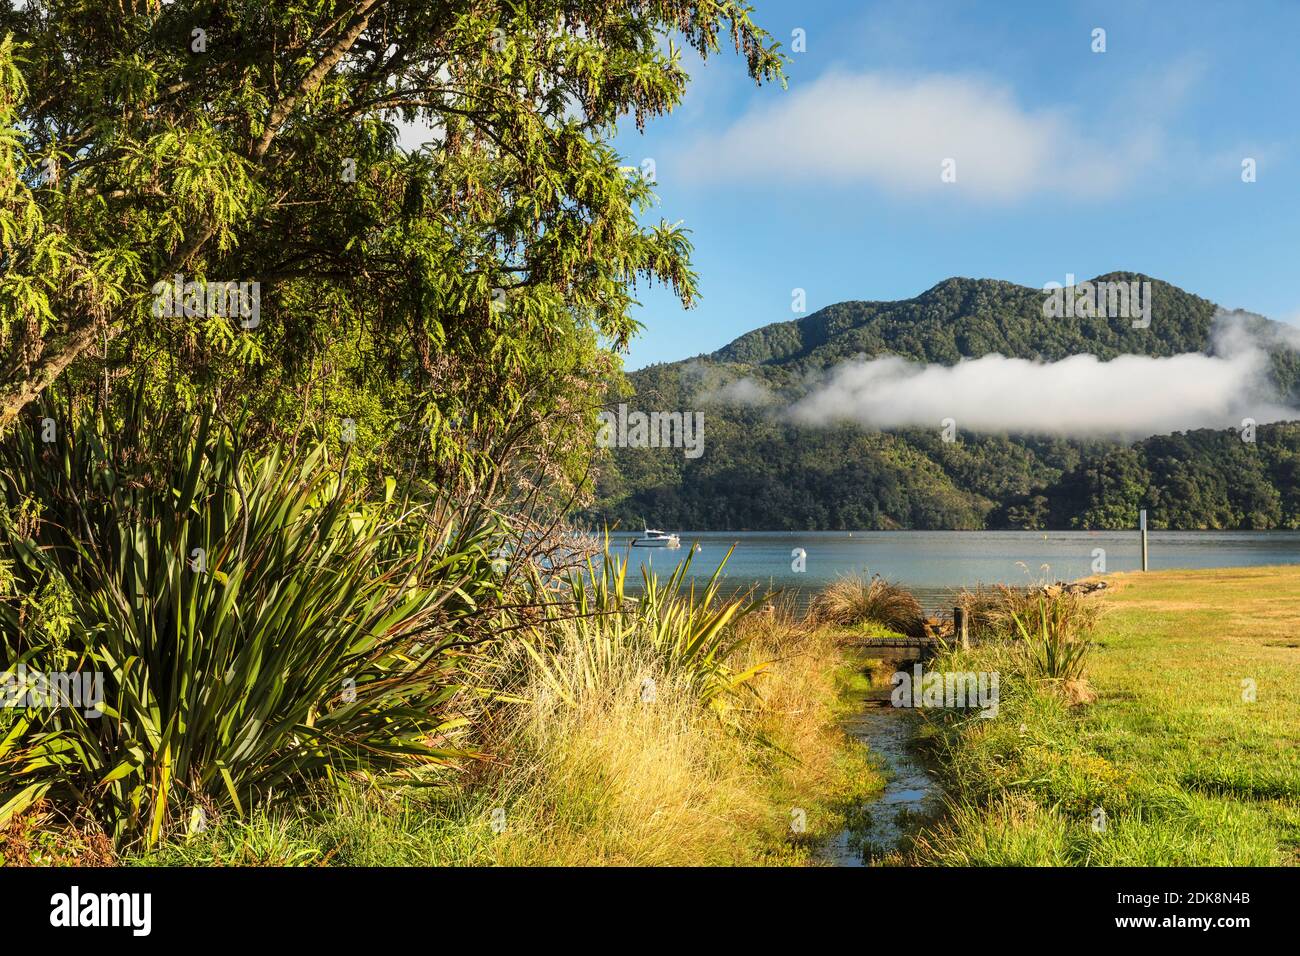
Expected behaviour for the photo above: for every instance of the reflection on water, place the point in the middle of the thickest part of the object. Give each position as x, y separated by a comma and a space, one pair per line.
911, 794
932, 563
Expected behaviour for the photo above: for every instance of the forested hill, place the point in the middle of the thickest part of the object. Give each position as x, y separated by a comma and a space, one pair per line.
760, 471
969, 318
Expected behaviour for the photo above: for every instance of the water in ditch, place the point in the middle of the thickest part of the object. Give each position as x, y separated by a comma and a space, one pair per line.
881, 827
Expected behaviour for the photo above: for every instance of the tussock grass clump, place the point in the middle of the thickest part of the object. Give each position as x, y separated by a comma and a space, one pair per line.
985, 610
679, 728
689, 632
992, 612
632, 770
856, 600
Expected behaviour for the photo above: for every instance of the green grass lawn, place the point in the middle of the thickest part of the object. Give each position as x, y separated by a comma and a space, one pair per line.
1191, 749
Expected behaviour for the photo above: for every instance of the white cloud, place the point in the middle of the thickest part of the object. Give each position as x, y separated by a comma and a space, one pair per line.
1236, 330
895, 132
741, 391
1129, 396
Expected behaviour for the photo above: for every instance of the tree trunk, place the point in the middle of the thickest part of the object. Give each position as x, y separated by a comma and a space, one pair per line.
17, 395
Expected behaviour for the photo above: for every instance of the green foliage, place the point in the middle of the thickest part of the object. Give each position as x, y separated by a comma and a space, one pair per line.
1108, 489
762, 471
969, 318
685, 630
460, 301
1051, 643
257, 627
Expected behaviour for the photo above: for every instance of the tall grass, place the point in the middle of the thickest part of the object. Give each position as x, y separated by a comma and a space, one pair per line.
1052, 646
855, 600
992, 613
586, 768
688, 631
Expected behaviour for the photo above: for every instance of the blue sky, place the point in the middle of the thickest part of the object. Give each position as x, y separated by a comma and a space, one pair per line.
1067, 161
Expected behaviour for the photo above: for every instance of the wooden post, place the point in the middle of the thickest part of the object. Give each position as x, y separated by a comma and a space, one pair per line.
959, 630
1142, 523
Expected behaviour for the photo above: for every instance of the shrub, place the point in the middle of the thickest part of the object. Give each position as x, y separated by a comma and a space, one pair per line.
1052, 648
256, 627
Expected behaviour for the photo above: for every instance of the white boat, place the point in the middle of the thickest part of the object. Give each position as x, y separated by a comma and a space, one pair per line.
656, 539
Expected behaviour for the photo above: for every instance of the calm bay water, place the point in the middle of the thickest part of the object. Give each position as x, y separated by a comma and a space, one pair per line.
935, 562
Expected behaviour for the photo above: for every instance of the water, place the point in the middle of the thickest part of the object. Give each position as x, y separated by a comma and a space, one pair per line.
932, 563
911, 792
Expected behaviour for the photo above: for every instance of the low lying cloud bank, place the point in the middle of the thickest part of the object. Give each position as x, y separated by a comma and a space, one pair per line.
1129, 396
741, 391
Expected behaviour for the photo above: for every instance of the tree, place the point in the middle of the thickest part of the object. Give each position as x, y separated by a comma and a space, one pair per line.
460, 292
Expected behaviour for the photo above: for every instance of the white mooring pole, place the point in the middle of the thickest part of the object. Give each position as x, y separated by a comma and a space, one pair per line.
1142, 523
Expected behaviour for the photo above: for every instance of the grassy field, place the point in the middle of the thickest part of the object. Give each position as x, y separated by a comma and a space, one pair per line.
1190, 754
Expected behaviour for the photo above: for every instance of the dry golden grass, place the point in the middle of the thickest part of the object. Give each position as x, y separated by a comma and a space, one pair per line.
855, 600
612, 778
39, 837
1078, 692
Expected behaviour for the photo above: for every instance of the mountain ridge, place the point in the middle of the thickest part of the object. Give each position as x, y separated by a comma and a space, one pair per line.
934, 308
761, 471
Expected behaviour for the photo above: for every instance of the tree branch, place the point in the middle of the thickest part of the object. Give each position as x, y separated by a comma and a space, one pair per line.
52, 362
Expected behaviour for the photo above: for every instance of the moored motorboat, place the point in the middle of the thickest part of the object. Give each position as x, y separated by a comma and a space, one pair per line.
652, 538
